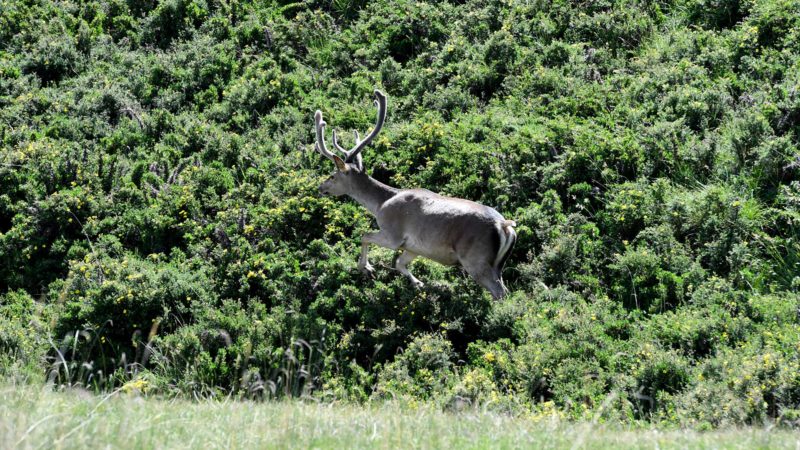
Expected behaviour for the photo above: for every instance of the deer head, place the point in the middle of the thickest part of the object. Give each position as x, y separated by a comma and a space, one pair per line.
351, 168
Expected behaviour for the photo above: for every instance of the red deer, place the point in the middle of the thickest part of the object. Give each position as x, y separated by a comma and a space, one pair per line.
419, 222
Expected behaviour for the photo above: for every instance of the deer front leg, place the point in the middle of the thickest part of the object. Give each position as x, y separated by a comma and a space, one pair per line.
378, 238
401, 264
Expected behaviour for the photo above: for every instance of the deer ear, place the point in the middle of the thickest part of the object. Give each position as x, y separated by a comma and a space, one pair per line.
340, 164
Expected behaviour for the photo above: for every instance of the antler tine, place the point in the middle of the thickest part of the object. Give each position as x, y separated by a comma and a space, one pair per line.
319, 126
380, 102
336, 144
358, 159
349, 153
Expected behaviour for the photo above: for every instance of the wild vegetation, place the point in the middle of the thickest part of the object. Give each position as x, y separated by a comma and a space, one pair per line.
161, 229
31, 418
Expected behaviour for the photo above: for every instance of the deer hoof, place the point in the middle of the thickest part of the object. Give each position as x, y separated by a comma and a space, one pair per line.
367, 270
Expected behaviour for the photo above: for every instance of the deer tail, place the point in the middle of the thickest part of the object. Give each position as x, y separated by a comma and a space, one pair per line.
507, 239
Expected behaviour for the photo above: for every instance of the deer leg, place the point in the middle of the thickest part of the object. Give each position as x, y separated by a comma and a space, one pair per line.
401, 264
378, 238
488, 277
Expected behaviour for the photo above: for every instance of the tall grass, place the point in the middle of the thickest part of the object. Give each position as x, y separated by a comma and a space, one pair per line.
32, 417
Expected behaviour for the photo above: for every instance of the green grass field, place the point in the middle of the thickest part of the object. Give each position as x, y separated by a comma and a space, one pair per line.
33, 417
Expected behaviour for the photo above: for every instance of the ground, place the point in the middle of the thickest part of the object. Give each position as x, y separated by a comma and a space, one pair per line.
36, 417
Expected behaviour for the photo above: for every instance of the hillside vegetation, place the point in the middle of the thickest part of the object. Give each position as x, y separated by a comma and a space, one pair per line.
161, 229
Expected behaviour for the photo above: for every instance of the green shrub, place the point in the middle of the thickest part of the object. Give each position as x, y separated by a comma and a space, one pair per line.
23, 337
53, 58
423, 369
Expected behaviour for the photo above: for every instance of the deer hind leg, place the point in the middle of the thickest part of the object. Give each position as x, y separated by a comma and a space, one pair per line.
401, 264
379, 238
488, 277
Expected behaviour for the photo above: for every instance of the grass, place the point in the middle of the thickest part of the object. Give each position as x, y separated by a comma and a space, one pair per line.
37, 417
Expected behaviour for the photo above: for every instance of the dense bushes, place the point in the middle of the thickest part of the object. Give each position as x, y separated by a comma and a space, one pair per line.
160, 223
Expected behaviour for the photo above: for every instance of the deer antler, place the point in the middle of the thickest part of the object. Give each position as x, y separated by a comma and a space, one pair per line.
348, 154
380, 102
320, 146
353, 155
336, 144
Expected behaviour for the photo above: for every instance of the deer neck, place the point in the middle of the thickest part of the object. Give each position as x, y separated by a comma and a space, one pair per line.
371, 193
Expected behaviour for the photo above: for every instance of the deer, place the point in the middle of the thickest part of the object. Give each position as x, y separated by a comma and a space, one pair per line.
419, 222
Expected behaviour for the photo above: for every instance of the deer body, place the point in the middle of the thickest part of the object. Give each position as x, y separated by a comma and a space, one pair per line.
419, 222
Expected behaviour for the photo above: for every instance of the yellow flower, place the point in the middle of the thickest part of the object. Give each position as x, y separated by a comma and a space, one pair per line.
138, 385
